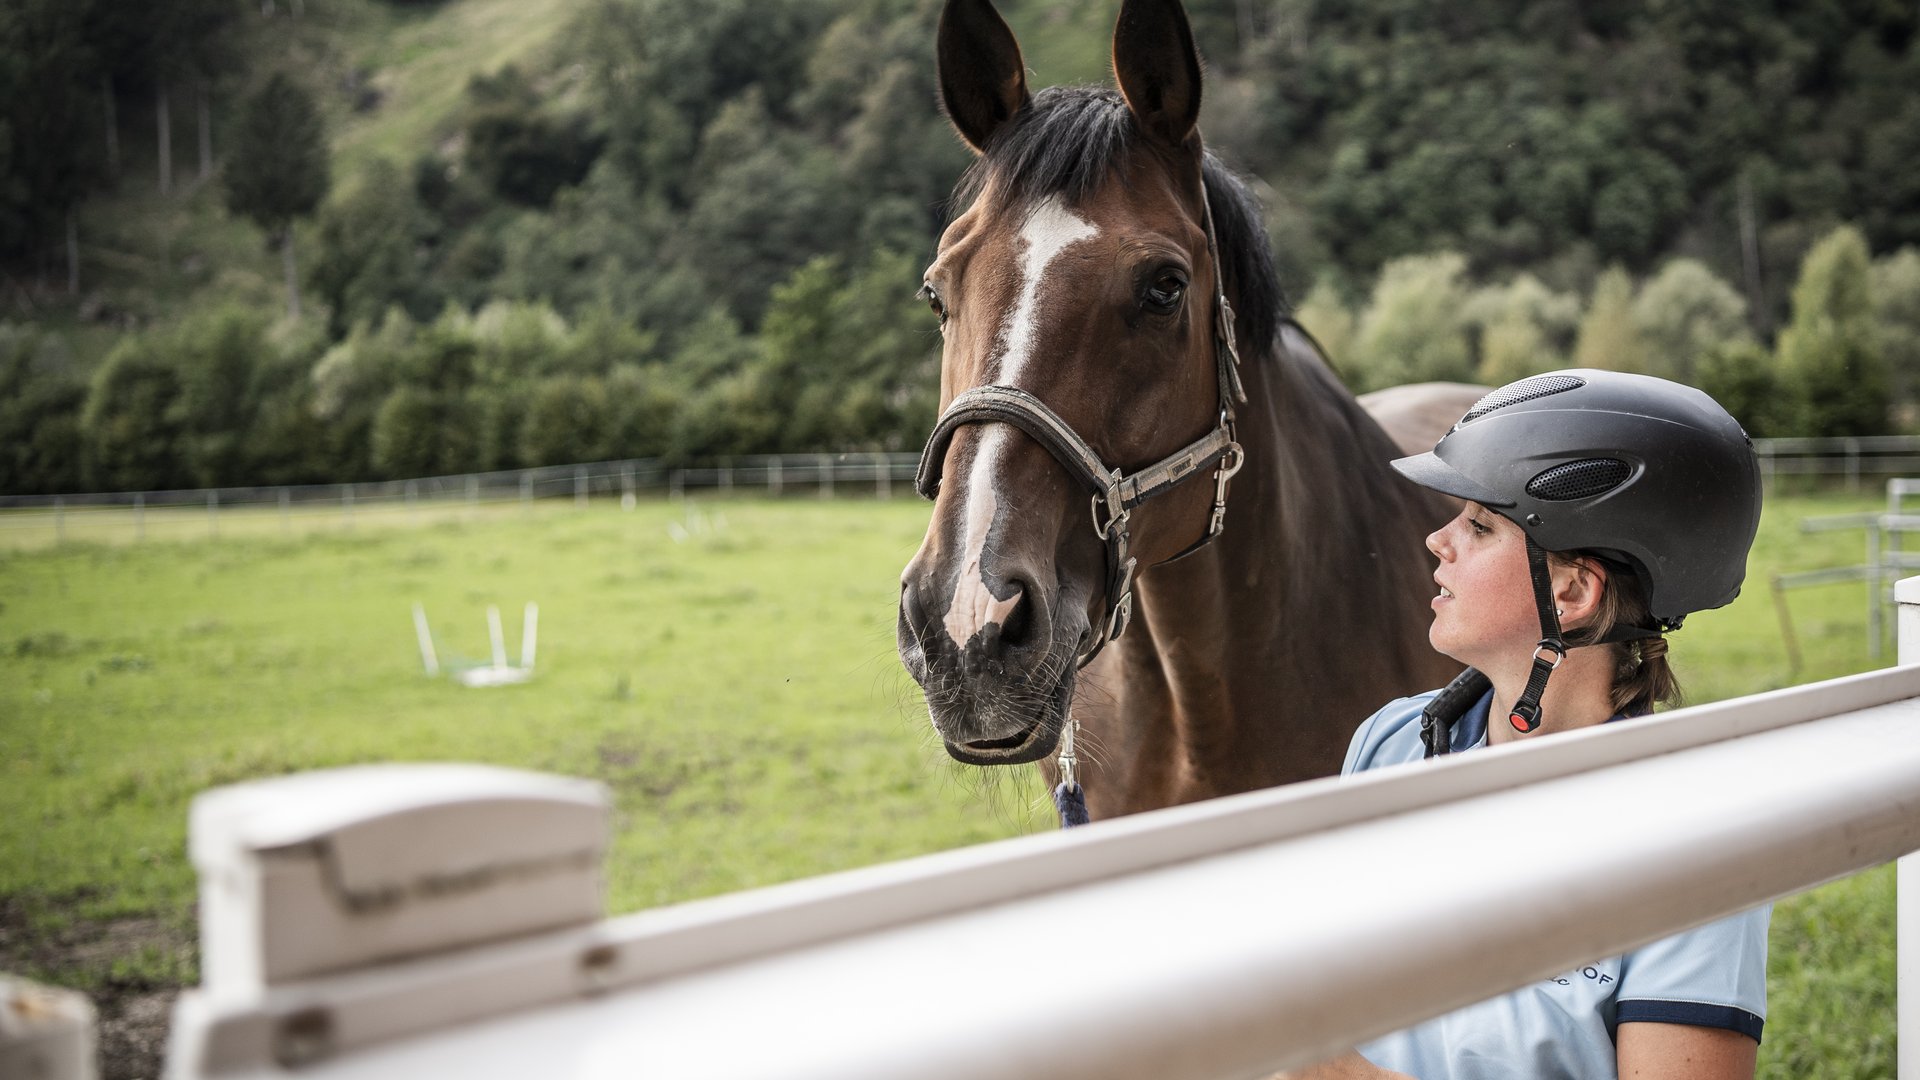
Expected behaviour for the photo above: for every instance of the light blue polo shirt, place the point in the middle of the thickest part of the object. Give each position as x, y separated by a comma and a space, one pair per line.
1712, 976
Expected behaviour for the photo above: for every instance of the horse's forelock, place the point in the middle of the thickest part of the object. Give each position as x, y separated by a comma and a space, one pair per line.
1066, 142
1070, 140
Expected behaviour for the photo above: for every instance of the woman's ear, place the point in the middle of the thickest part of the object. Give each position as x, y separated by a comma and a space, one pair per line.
1578, 588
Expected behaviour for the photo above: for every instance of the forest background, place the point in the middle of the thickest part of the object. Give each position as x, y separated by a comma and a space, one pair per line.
329, 240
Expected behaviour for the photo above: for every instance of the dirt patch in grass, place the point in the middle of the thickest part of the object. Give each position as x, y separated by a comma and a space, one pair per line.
131, 967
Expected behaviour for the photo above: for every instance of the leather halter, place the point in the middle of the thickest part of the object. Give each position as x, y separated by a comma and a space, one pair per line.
1115, 494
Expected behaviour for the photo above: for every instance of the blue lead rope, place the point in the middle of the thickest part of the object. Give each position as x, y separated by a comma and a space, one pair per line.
1072, 803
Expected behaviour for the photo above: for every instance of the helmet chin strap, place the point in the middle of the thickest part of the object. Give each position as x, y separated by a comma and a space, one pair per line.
1552, 649
1440, 714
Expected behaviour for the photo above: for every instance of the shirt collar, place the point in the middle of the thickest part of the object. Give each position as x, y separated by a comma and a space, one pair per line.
1471, 731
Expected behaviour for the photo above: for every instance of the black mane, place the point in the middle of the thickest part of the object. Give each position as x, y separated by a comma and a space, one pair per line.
1069, 140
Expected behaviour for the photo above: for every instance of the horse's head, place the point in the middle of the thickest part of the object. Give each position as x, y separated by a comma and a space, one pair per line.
1079, 278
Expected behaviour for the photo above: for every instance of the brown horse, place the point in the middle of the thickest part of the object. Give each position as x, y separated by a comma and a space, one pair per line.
1083, 296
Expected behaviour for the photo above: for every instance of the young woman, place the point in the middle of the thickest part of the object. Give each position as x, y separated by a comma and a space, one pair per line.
1601, 509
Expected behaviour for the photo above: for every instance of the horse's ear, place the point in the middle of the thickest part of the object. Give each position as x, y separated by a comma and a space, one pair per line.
983, 81
1158, 68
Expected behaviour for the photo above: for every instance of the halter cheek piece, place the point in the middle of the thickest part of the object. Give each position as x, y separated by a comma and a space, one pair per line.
1115, 494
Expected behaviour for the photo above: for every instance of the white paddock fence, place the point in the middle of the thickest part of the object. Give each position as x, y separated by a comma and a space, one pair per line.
131, 514
1847, 458
434, 921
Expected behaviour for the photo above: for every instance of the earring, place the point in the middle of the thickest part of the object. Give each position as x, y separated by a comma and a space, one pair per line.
1559, 611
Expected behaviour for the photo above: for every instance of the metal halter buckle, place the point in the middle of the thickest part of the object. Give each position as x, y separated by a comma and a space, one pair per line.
1218, 522
1119, 517
1559, 654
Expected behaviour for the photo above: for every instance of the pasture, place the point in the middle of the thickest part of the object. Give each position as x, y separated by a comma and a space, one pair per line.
727, 667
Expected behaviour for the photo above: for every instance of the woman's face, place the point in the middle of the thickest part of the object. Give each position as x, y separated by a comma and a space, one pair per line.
1484, 609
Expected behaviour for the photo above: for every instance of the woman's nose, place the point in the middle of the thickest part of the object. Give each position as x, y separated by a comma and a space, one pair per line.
1436, 541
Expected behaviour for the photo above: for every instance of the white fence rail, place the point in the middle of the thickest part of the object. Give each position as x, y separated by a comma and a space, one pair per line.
1224, 939
855, 472
860, 474
1846, 458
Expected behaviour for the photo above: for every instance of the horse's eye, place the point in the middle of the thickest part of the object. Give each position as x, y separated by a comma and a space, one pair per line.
933, 301
1164, 294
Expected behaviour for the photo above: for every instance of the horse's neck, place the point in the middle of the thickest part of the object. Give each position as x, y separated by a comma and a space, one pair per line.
1289, 607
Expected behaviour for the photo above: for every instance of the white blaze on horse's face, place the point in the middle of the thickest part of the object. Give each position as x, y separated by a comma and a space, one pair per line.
1049, 231
974, 606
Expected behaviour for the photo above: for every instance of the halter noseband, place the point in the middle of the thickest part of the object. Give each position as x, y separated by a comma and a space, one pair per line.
1115, 494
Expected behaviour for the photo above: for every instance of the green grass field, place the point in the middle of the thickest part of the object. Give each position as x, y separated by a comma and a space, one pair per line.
726, 667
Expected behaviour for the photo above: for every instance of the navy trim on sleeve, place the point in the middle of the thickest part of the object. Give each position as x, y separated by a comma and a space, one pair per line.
1695, 1013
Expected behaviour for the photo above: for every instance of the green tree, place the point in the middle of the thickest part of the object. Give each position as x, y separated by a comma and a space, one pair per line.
566, 423
1896, 310
40, 403
286, 441
604, 341
1326, 317
47, 158
1412, 329
1830, 354
279, 168
526, 156
1524, 327
423, 432
518, 339
1608, 337
371, 241
642, 406
1514, 348
444, 356
1683, 312
132, 427
850, 357
351, 382
1742, 377
216, 354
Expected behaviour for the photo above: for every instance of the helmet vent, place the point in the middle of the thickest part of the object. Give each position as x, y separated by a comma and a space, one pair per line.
1579, 479
1514, 393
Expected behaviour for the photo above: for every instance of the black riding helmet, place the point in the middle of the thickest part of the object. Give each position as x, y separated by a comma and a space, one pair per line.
1637, 469
1641, 471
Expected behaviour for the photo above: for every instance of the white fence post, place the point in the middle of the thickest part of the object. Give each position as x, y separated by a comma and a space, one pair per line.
45, 1032
1906, 886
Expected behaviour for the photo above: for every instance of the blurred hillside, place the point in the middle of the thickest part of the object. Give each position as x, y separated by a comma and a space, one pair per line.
301, 240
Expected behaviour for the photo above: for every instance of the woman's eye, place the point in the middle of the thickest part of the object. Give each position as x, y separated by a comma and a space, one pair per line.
933, 301
1164, 294
1479, 528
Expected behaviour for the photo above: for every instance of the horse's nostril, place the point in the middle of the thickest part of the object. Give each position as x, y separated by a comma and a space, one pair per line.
1016, 626
913, 612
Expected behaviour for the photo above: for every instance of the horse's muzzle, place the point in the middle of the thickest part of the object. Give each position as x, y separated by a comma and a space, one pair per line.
994, 700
